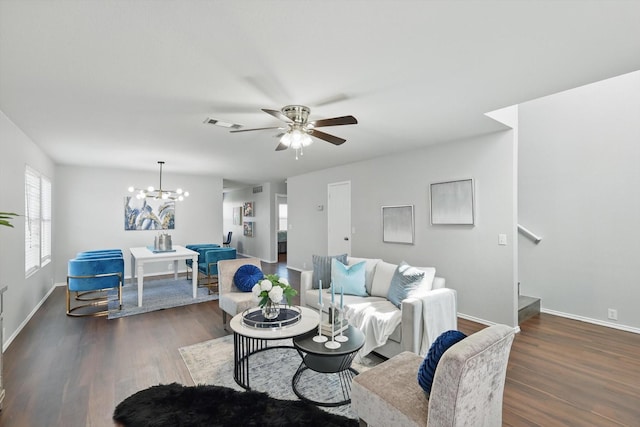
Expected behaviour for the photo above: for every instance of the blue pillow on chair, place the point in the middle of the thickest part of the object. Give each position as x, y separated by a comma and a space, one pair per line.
247, 276
437, 349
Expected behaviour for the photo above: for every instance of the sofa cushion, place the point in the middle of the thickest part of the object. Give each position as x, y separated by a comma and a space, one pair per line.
369, 269
348, 279
405, 280
382, 279
322, 269
440, 345
426, 284
247, 276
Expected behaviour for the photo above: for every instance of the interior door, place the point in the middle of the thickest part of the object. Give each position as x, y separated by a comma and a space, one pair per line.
339, 218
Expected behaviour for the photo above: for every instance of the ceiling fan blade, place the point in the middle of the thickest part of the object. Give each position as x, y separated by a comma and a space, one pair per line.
281, 147
278, 115
336, 121
249, 130
329, 138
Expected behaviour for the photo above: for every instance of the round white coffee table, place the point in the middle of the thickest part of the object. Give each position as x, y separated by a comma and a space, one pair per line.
248, 340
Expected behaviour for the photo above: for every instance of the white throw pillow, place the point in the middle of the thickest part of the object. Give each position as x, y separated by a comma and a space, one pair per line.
382, 279
426, 285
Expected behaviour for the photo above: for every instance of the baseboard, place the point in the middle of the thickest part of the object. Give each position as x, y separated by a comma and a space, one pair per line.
13, 336
593, 321
483, 321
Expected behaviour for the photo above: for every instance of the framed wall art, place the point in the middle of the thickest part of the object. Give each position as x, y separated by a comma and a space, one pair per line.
148, 214
397, 224
248, 229
248, 209
452, 202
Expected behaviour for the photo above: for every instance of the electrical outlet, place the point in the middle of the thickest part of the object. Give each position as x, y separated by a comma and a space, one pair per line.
612, 314
502, 239
304, 265
170, 266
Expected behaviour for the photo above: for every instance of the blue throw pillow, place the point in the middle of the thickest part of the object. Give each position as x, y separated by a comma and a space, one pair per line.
247, 276
404, 280
430, 362
348, 279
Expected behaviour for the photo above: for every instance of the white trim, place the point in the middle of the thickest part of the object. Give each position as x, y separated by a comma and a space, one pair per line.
590, 320
483, 322
13, 336
295, 268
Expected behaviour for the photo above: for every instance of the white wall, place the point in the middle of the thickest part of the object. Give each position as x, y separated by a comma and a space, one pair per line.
24, 294
89, 212
580, 190
261, 245
469, 257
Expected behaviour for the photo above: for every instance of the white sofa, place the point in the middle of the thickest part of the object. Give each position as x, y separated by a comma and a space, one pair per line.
424, 316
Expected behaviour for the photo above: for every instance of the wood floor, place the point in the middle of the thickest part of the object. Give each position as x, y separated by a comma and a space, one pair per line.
63, 371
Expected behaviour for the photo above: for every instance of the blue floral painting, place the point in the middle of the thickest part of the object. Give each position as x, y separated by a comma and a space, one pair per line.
148, 214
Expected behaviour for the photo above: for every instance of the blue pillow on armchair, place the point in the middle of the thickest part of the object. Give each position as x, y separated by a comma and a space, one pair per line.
430, 362
247, 276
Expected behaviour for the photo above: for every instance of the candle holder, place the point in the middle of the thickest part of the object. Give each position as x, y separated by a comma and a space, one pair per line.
333, 344
320, 337
341, 337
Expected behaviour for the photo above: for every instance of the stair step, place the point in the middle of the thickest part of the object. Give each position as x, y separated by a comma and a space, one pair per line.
527, 307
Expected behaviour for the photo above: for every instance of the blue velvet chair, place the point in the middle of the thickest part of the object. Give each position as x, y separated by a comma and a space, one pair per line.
208, 264
91, 275
200, 248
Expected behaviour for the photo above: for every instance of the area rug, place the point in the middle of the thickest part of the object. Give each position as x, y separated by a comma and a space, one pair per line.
156, 295
173, 405
211, 363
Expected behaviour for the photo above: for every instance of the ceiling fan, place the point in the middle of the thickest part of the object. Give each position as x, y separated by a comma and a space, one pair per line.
299, 130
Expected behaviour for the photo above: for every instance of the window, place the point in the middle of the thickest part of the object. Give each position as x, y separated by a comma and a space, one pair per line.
37, 230
45, 231
282, 217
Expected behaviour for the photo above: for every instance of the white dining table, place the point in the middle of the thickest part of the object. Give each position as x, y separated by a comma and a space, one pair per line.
143, 255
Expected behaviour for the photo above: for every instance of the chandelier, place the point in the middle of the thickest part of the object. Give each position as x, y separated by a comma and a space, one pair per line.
160, 193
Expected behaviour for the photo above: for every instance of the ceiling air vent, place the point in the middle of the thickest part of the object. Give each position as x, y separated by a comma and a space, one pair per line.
257, 189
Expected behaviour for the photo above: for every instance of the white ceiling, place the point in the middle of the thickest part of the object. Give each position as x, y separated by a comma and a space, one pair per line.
126, 83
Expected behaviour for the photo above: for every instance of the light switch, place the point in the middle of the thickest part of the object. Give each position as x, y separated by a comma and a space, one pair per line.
502, 239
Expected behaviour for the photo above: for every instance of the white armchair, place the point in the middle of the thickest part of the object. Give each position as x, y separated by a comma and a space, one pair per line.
232, 300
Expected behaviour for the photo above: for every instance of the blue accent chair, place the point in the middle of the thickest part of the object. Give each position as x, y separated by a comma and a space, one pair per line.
89, 275
208, 264
200, 248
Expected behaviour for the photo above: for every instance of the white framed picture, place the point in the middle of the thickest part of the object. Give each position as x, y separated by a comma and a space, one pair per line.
397, 224
452, 202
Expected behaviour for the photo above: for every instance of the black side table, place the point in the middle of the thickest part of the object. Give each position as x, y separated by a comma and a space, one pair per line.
318, 358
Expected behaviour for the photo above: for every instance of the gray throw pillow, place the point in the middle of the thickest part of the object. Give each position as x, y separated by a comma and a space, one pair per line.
404, 280
322, 269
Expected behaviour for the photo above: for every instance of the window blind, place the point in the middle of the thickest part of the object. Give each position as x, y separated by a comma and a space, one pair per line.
45, 232
32, 221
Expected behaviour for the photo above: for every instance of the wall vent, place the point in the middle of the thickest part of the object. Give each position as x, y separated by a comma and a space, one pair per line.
257, 189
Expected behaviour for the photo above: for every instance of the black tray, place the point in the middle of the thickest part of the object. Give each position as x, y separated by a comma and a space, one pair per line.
288, 316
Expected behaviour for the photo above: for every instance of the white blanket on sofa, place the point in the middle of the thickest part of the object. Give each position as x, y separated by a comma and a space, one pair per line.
377, 320
439, 312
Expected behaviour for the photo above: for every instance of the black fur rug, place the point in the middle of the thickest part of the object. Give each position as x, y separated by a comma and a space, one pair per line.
176, 405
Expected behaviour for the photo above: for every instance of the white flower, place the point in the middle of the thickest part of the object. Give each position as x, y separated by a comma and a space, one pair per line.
284, 281
275, 294
256, 291
266, 285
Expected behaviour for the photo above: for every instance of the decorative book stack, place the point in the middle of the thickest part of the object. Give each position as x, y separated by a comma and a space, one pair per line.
326, 328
